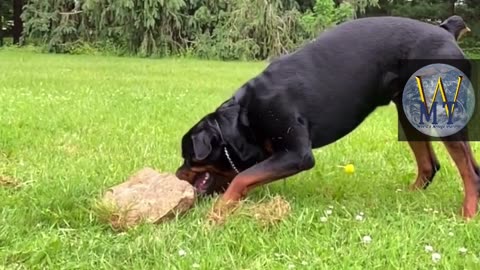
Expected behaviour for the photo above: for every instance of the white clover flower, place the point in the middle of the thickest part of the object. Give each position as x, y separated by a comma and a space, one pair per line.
359, 217
462, 250
182, 253
428, 248
436, 257
366, 239
328, 212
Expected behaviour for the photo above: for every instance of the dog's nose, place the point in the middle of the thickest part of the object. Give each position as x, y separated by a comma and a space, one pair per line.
180, 174
184, 175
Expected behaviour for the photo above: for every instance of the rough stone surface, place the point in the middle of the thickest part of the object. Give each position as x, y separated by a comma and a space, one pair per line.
151, 197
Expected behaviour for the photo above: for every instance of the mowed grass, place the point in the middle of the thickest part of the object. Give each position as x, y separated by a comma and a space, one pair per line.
72, 126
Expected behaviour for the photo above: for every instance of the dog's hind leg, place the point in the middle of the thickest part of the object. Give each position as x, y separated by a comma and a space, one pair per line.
427, 162
461, 154
473, 161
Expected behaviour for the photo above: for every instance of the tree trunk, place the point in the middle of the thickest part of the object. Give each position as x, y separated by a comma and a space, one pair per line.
17, 21
1, 30
451, 7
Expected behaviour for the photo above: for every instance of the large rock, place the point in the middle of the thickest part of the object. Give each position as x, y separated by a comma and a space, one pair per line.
149, 196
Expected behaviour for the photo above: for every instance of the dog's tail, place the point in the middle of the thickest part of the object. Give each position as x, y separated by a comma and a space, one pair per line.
456, 26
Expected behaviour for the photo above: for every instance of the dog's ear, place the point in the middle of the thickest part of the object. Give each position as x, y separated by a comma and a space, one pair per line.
235, 128
202, 144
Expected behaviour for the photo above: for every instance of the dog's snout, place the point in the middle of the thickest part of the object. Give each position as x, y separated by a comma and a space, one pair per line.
181, 174
185, 174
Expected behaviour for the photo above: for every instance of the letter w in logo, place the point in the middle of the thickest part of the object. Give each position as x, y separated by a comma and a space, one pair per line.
449, 105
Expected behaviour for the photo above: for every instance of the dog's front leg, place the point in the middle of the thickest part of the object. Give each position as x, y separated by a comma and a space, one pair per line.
292, 153
278, 166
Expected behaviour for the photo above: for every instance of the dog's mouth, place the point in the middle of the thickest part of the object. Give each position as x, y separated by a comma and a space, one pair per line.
202, 182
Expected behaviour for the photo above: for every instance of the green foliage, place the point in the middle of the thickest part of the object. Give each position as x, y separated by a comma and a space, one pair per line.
45, 23
222, 29
362, 5
432, 9
150, 27
241, 29
325, 14
6, 10
253, 29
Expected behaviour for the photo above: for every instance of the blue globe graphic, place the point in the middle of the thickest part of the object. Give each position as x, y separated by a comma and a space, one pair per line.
416, 111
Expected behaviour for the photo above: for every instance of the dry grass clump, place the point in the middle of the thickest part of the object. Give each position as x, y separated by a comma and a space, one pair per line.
266, 213
108, 212
269, 212
8, 181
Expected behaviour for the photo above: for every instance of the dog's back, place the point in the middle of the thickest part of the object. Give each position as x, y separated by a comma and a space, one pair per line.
388, 37
343, 72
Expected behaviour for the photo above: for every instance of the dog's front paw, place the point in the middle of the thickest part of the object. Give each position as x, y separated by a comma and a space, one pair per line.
221, 210
469, 209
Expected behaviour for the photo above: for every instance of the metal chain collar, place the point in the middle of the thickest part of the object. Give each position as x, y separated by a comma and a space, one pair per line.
225, 150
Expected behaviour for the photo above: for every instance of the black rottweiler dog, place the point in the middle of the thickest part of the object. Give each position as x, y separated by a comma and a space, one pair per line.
316, 95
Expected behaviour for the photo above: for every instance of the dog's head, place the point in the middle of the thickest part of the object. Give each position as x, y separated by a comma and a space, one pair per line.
216, 148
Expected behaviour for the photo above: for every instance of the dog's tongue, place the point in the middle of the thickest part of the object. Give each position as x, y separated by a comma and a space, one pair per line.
202, 182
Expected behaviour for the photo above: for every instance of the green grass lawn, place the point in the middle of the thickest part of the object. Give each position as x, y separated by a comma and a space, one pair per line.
72, 126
